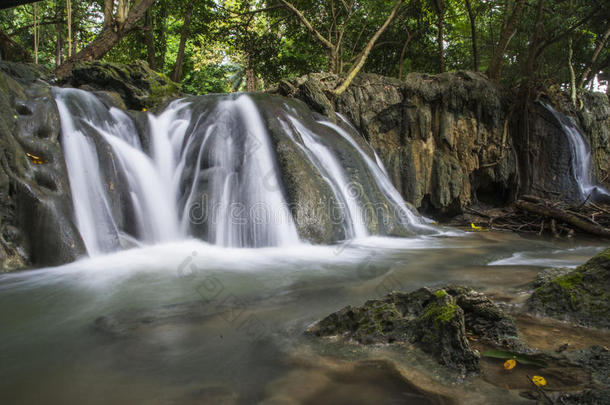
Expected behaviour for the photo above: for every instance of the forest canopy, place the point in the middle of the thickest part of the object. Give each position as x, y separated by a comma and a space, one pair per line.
227, 45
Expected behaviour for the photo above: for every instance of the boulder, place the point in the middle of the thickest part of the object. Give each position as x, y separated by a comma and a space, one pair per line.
436, 321
582, 295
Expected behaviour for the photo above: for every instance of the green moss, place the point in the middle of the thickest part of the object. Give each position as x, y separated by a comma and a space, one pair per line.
569, 281
440, 313
440, 293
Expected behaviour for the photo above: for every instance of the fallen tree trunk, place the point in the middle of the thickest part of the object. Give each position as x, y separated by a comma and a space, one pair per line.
561, 215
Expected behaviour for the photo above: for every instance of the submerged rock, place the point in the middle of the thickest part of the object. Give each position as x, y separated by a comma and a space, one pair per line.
582, 295
436, 321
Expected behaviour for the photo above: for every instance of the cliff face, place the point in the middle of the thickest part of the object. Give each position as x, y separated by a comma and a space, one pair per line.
443, 139
452, 140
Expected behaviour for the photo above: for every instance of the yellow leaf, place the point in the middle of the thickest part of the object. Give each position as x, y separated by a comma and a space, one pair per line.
539, 380
144, 109
476, 228
510, 364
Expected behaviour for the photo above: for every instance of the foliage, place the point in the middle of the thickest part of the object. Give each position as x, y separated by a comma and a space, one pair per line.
262, 41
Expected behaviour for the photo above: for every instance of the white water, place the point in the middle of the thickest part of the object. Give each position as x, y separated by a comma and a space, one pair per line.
407, 216
148, 180
248, 209
334, 175
219, 160
581, 162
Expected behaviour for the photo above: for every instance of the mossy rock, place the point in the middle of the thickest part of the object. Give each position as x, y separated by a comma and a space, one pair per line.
138, 85
437, 321
581, 295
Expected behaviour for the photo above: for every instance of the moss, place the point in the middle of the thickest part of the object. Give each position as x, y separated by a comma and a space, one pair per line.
569, 281
440, 293
440, 312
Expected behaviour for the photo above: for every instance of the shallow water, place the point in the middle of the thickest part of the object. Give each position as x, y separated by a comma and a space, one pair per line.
190, 322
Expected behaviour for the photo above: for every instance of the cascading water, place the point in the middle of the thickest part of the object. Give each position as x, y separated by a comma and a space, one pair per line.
205, 168
581, 155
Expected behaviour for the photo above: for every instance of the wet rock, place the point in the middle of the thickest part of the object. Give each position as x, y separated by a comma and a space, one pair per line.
581, 295
36, 216
436, 321
547, 171
137, 84
596, 360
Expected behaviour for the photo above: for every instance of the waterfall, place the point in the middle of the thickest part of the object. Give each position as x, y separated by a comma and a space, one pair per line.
581, 155
205, 167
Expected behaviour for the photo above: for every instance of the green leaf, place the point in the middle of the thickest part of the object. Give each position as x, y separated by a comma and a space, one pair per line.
521, 358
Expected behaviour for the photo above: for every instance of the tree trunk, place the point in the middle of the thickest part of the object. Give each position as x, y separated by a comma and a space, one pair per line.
365, 53
506, 34
600, 45
572, 74
162, 36
564, 216
149, 38
184, 32
441, 47
534, 44
69, 24
473, 35
107, 38
108, 8
35, 33
250, 75
332, 60
402, 55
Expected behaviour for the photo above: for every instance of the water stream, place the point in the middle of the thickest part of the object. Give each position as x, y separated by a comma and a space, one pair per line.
169, 309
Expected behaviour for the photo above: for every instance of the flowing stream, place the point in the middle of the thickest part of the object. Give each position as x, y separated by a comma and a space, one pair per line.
185, 300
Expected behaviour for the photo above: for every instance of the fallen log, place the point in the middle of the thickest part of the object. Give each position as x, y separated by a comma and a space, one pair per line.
574, 220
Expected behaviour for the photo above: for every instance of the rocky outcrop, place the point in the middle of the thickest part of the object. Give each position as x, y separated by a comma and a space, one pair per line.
138, 85
582, 295
442, 138
436, 321
36, 215
453, 140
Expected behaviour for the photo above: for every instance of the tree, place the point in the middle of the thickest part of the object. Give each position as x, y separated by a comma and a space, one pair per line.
114, 28
336, 34
512, 12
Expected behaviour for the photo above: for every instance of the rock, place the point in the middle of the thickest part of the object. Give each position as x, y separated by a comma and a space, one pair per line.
436, 321
449, 142
581, 295
137, 84
36, 216
596, 360
441, 138
549, 274
312, 93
